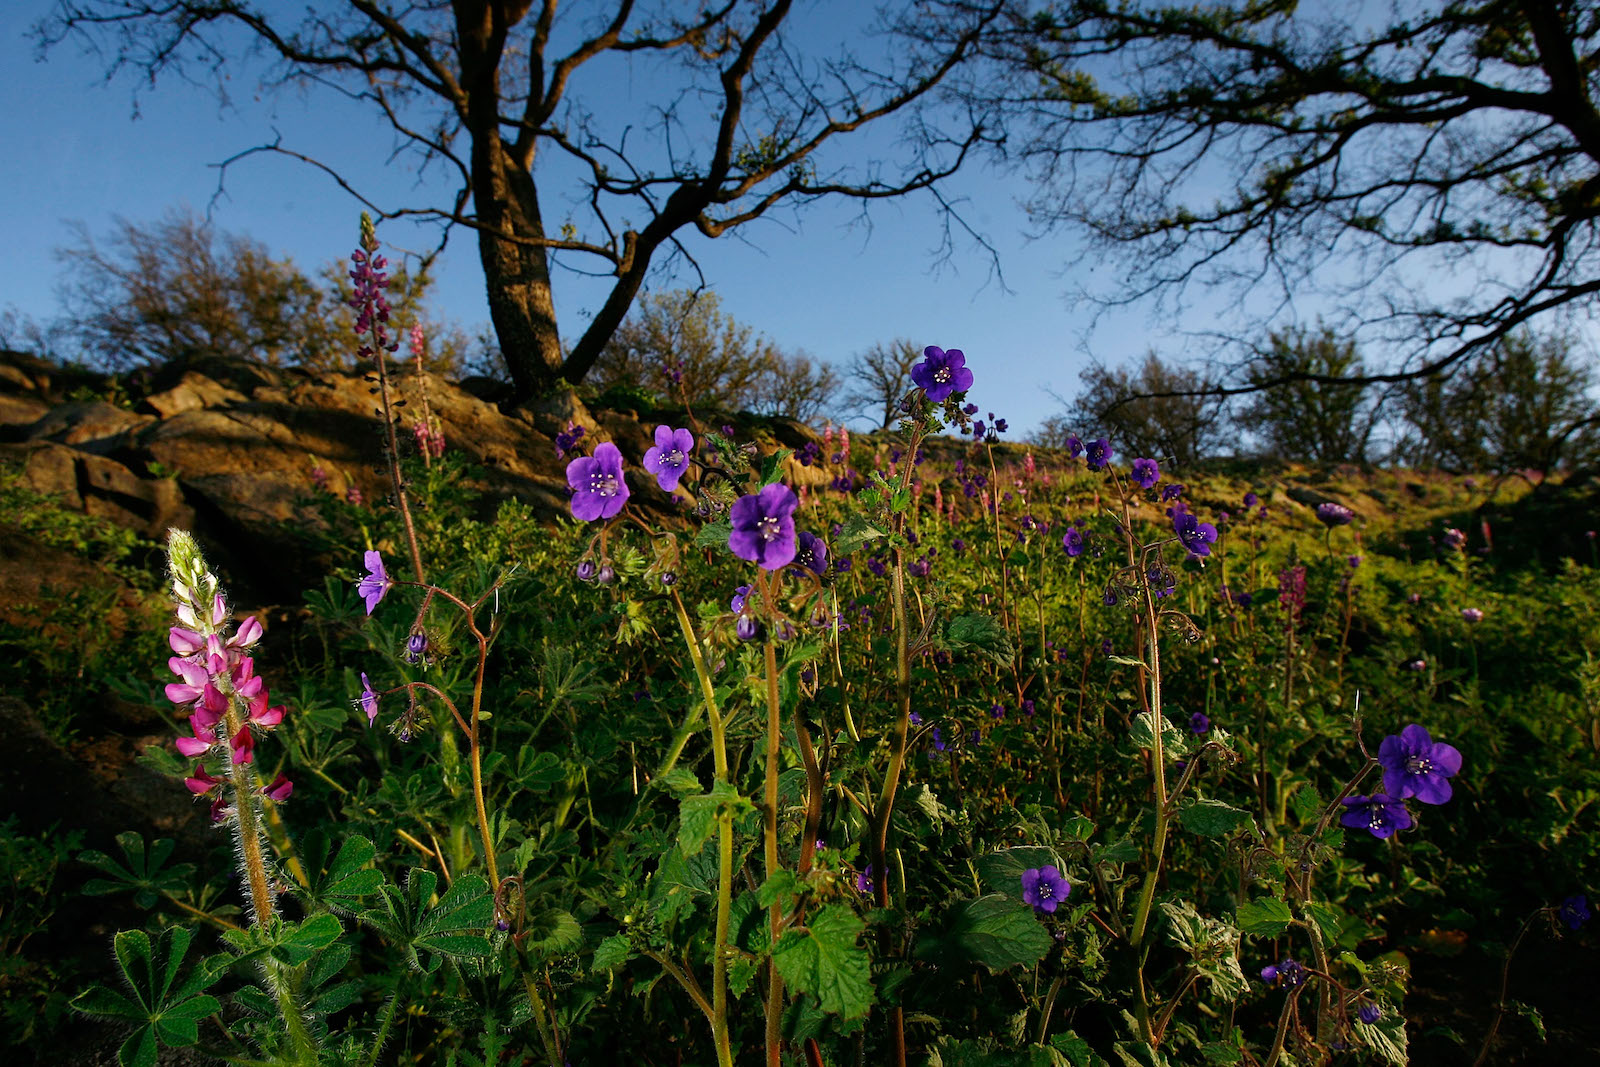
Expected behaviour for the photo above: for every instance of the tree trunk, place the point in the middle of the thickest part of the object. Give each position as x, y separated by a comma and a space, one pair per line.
517, 276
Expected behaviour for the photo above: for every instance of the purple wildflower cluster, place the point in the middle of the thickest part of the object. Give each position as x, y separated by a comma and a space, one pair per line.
1414, 765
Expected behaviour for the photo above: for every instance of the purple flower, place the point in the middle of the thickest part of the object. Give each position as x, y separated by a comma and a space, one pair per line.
280, 789
1074, 445
763, 527
1380, 813
1197, 536
746, 628
941, 373
811, 552
669, 459
369, 700
1574, 911
1369, 1013
376, 583
1170, 492
1416, 665
1333, 514
1454, 539
1355, 561
598, 487
1251, 500
1072, 541
1098, 454
1414, 765
739, 595
585, 570
1045, 888
1199, 722
864, 882
1472, 614
1146, 472
1286, 973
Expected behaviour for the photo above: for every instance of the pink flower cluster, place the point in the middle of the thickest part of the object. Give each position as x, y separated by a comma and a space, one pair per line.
216, 677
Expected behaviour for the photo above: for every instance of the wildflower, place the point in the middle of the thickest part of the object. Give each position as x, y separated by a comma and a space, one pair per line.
416, 647
1045, 888
585, 570
1171, 491
376, 583
1454, 539
958, 546
1292, 589
1415, 765
1380, 813
739, 596
204, 736
1286, 973
1074, 445
941, 373
669, 578
920, 568
243, 744
201, 783
368, 701
567, 439
1072, 541
1098, 454
353, 495
1355, 562
1243, 599
1251, 500
763, 527
1574, 911
811, 552
194, 681
1146, 472
1416, 665
599, 489
280, 789
319, 477
864, 882
1333, 514
606, 574
1369, 1012
1197, 536
1199, 722
1472, 614
669, 459
745, 628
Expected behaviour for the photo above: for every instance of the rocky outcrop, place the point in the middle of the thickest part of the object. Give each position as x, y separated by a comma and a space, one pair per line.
240, 451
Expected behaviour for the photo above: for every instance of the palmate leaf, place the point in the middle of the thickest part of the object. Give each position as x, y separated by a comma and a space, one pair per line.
289, 943
167, 1012
452, 927
825, 961
144, 874
341, 882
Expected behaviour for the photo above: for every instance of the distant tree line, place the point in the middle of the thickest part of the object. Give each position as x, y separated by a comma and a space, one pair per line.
1530, 402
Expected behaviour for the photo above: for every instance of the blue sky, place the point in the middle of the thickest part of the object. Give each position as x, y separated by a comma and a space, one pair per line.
76, 150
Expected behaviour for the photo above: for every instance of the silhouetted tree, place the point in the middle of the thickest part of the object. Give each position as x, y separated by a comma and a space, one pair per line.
1300, 411
1250, 145
482, 87
1529, 403
880, 378
1183, 426
797, 387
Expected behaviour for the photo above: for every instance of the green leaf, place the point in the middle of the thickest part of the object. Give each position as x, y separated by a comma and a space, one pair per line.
1001, 871
1212, 818
1127, 661
854, 532
166, 1014
681, 781
783, 883
1175, 743
996, 931
452, 927
1212, 945
612, 953
143, 873
1327, 919
772, 465
1076, 1050
825, 961
982, 635
1386, 1037
553, 932
1528, 1012
714, 534
338, 884
1266, 917
697, 816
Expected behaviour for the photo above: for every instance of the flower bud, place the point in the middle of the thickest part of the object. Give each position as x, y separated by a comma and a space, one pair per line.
606, 575
746, 628
585, 571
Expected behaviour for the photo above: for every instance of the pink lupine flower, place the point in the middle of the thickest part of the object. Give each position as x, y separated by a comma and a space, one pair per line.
245, 681
249, 633
243, 744
417, 341
201, 741
353, 495
219, 611
263, 716
185, 642
280, 789
319, 477
194, 680
201, 783
211, 706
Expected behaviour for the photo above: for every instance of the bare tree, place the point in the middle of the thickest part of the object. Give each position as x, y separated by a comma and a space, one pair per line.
880, 378
1528, 404
178, 289
482, 87
1156, 410
796, 386
1274, 149
1302, 416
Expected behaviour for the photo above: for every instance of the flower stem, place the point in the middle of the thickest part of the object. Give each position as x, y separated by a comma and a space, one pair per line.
774, 1036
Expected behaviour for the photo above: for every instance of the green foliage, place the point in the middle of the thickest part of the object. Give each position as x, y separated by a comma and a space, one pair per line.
452, 925
143, 871
825, 961
166, 1012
